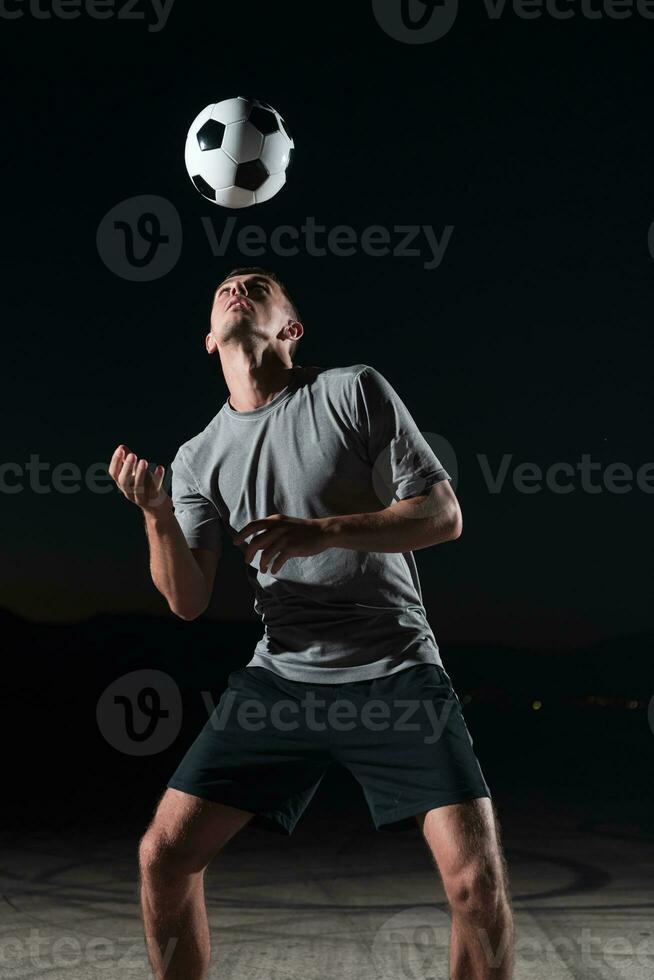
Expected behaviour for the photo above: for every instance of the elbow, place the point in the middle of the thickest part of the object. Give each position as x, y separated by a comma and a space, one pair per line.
456, 524
449, 527
187, 617
191, 605
188, 614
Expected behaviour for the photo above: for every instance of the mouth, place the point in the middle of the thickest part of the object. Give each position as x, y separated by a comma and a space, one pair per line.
244, 303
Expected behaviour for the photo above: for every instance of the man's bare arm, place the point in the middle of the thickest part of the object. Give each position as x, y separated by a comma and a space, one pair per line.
407, 525
183, 576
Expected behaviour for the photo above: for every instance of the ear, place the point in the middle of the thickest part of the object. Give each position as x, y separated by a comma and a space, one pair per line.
294, 329
210, 344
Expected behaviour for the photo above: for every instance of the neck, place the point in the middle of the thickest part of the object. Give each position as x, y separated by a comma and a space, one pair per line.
253, 381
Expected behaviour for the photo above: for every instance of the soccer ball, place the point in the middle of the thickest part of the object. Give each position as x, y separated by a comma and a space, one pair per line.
237, 152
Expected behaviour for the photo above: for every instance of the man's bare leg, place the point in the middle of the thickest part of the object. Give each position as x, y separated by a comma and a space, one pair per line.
465, 844
183, 837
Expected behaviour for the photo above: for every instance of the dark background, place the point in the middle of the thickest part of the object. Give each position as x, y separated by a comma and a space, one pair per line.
533, 338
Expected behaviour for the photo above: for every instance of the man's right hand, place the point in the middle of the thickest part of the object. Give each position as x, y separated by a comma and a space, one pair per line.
138, 484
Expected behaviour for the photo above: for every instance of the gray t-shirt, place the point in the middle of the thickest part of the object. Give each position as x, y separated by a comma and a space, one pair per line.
334, 441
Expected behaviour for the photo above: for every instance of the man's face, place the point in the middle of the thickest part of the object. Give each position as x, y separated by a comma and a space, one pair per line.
248, 306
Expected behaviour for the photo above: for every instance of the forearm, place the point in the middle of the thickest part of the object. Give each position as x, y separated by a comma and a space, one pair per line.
174, 570
406, 525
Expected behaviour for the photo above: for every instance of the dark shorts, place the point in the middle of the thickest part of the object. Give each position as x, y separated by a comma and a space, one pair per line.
267, 744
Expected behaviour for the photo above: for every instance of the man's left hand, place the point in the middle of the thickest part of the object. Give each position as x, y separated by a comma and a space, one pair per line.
285, 537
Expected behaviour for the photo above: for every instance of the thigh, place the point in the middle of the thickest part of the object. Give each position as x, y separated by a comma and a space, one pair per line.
414, 752
256, 753
463, 835
193, 829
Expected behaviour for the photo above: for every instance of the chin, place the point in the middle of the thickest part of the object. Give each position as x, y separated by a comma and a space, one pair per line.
236, 316
237, 329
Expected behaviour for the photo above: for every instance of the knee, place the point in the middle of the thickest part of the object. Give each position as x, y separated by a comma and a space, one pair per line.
477, 892
163, 860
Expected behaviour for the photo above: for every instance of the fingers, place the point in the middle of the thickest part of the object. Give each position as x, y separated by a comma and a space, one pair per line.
266, 557
117, 461
127, 475
280, 560
264, 540
135, 481
139, 490
158, 476
253, 526
282, 548
126, 471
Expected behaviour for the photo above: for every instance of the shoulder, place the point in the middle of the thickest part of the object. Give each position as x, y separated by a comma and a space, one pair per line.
353, 382
196, 447
370, 381
345, 386
336, 377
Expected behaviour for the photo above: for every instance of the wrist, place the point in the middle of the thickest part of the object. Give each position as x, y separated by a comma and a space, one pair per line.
159, 516
334, 531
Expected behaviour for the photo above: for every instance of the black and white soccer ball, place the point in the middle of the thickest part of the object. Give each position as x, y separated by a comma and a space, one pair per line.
237, 152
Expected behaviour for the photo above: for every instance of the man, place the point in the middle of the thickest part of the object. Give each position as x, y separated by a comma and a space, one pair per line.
323, 481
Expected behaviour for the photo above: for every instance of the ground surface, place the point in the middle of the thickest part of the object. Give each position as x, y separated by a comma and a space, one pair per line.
338, 900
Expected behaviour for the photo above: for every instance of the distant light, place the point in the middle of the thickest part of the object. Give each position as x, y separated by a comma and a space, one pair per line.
537, 705
633, 704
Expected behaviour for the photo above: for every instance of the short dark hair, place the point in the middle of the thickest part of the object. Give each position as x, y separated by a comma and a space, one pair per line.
255, 270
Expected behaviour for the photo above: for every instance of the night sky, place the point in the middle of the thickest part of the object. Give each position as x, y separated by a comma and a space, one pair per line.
532, 338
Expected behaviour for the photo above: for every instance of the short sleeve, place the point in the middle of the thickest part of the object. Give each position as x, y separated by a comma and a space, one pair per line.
197, 515
404, 465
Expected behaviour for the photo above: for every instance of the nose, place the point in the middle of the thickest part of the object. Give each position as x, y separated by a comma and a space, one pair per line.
238, 287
